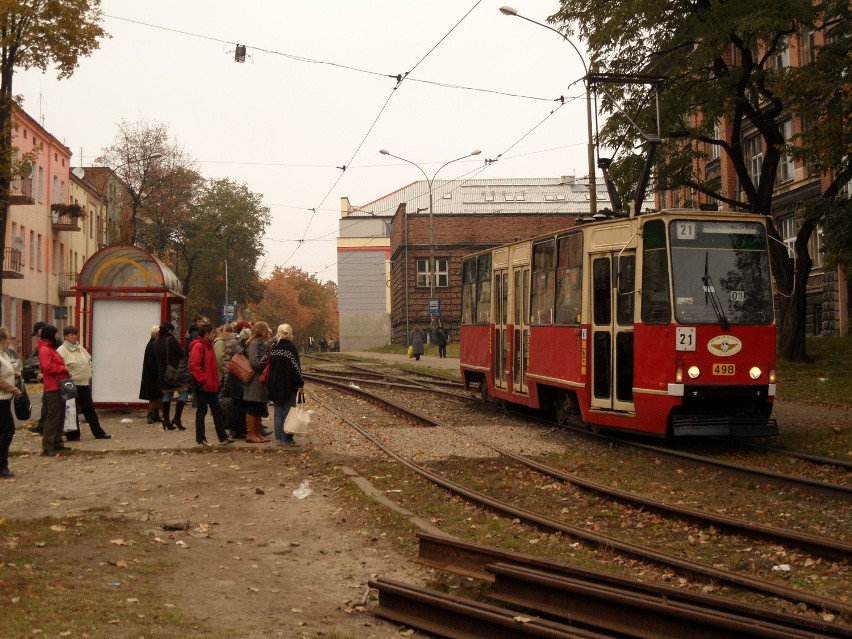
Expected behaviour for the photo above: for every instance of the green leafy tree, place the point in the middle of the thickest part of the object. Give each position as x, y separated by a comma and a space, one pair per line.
37, 34
225, 225
723, 62
293, 297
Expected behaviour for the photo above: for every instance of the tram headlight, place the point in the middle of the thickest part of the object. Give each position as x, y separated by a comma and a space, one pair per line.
694, 372
754, 372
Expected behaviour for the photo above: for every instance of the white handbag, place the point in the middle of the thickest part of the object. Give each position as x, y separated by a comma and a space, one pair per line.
298, 418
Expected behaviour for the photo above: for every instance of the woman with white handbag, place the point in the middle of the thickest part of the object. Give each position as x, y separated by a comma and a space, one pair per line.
285, 381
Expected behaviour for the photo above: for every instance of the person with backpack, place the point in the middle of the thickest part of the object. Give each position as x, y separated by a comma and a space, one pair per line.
202, 366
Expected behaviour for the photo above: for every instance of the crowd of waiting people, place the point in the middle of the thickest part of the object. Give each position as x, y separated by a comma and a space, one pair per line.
237, 408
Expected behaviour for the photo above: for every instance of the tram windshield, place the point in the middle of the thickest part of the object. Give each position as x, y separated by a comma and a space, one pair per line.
720, 272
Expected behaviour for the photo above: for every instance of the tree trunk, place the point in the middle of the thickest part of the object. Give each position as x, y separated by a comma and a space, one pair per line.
791, 277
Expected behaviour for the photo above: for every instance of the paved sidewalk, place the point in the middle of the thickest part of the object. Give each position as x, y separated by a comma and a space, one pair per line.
129, 431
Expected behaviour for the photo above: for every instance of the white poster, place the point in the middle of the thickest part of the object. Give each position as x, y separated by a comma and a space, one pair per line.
121, 328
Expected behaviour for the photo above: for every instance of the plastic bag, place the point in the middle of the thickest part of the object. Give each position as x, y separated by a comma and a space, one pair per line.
70, 425
411, 351
298, 420
304, 490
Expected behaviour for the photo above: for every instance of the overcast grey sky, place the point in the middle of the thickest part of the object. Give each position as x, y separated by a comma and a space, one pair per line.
318, 92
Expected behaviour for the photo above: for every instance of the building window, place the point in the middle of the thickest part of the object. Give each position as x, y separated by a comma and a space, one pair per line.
806, 47
441, 272
781, 57
40, 185
819, 248
785, 165
753, 152
788, 229
32, 249
713, 149
54, 258
40, 253
55, 193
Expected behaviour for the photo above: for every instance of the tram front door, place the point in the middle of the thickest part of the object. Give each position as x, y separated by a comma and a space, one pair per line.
612, 331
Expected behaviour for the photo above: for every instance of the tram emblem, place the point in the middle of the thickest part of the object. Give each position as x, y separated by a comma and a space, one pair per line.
724, 345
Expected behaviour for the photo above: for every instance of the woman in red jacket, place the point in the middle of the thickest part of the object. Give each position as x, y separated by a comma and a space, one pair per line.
52, 370
202, 365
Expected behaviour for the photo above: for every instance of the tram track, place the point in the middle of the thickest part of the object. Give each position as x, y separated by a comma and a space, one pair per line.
683, 566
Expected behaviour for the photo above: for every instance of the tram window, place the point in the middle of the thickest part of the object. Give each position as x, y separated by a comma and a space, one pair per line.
468, 291
602, 293
569, 278
656, 299
518, 290
624, 303
483, 290
543, 283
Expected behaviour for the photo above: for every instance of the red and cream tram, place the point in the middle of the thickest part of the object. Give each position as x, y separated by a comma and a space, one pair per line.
661, 323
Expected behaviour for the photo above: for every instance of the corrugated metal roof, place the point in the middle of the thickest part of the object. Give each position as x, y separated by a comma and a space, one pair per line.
501, 195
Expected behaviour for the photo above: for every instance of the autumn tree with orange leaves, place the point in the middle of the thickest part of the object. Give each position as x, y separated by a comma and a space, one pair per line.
293, 297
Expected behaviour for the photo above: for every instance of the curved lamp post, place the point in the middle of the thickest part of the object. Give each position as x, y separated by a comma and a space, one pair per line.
593, 186
429, 182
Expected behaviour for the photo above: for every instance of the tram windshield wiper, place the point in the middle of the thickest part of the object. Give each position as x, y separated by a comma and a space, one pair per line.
711, 297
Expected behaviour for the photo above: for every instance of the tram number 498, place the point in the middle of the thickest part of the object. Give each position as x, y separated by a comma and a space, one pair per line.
724, 369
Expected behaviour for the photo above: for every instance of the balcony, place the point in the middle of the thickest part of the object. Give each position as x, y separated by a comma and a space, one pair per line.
67, 282
21, 191
12, 264
65, 217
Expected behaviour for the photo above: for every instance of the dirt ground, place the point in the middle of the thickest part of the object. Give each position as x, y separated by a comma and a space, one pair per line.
256, 560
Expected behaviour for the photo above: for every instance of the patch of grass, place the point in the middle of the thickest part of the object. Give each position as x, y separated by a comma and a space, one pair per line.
826, 377
429, 349
85, 576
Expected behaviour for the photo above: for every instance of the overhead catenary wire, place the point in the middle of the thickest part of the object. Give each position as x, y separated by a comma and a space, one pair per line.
400, 79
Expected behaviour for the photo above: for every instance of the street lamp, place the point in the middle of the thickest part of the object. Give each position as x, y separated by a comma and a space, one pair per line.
429, 182
593, 186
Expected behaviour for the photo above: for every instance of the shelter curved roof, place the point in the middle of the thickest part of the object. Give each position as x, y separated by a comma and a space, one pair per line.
128, 270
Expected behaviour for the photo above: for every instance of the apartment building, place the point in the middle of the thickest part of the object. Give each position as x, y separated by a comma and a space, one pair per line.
796, 186
56, 221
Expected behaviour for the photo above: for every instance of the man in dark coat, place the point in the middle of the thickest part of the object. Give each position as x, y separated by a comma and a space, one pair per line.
169, 353
150, 389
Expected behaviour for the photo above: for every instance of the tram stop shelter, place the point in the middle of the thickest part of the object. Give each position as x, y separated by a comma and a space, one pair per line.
122, 291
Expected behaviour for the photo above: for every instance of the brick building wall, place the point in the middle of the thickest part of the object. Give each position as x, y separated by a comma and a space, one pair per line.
456, 236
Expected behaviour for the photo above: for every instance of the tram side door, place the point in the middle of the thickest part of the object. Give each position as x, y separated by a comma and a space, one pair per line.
521, 337
612, 331
500, 293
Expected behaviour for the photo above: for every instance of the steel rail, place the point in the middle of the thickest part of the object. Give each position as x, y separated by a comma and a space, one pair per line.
457, 618
685, 566
639, 615
829, 548
811, 486
816, 459
472, 559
